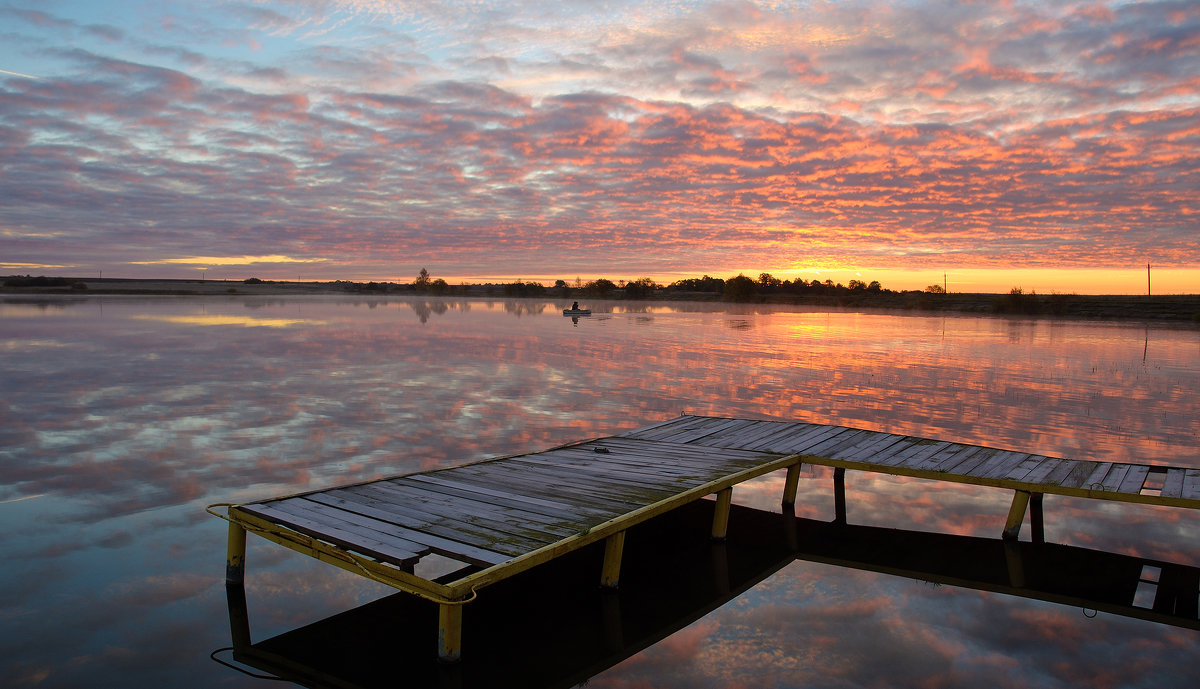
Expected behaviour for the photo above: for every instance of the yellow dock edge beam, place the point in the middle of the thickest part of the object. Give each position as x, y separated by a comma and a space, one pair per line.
339, 557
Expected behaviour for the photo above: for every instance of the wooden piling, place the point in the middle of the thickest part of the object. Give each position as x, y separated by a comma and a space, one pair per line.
449, 632
721, 515
610, 573
235, 559
1016, 514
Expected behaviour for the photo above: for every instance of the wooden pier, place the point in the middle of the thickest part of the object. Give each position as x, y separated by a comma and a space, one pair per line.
594, 630
503, 516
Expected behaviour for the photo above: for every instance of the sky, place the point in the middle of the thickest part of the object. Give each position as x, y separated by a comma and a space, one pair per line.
1053, 146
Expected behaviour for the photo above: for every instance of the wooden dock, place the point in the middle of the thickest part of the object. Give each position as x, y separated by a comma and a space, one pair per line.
502, 516
595, 630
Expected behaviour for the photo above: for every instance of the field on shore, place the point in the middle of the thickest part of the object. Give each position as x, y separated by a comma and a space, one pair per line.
1176, 308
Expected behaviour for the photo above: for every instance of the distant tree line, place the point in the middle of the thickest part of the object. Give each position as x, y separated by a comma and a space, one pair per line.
739, 288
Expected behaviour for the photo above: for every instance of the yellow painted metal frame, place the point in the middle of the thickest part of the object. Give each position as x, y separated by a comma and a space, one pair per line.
466, 585
451, 597
1011, 484
462, 589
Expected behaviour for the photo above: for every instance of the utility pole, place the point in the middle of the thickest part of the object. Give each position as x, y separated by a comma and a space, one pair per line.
1147, 279
945, 284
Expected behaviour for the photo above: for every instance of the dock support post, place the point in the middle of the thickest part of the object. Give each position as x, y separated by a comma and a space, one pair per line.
235, 559
610, 573
239, 617
790, 485
1016, 565
1036, 524
1016, 514
449, 632
839, 495
721, 515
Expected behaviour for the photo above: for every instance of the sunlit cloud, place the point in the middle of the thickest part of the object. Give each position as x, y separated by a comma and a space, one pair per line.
229, 260
370, 139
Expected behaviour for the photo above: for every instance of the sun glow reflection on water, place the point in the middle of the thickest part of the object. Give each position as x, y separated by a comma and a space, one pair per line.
124, 419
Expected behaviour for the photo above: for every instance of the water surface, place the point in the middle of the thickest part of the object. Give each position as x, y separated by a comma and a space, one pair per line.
123, 417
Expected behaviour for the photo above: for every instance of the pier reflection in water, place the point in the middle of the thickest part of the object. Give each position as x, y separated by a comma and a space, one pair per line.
554, 627
122, 418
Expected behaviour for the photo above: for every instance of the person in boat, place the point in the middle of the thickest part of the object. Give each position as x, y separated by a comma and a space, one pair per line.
575, 306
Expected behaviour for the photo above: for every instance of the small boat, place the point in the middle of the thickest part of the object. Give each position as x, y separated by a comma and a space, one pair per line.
577, 312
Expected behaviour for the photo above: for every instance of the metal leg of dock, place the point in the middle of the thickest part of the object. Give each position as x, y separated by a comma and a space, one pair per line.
790, 484
839, 495
239, 616
721, 515
1016, 565
235, 559
449, 632
1036, 523
1016, 514
610, 573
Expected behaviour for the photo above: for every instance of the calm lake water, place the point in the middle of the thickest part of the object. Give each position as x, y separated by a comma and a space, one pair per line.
122, 418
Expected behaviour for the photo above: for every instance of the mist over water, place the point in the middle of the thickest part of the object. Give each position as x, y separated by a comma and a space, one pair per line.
122, 418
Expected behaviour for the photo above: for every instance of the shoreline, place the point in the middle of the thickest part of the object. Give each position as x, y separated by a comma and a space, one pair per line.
1174, 308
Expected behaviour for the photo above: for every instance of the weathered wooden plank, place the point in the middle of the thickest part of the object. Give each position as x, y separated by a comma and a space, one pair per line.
506, 481
1113, 479
445, 546
640, 461
866, 450
413, 517
349, 520
1095, 480
782, 435
829, 447
965, 453
1191, 484
1042, 470
1135, 479
966, 462
704, 430
333, 533
502, 501
550, 485
911, 452
593, 479
1173, 483
797, 439
952, 454
974, 465
660, 427
701, 455
916, 454
740, 435
1025, 467
1080, 474
997, 464
472, 481
816, 439
625, 468
469, 507
657, 431
477, 519
551, 508
1061, 472
896, 453
746, 437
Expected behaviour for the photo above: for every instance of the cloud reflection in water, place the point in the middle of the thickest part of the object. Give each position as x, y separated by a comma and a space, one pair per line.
127, 415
